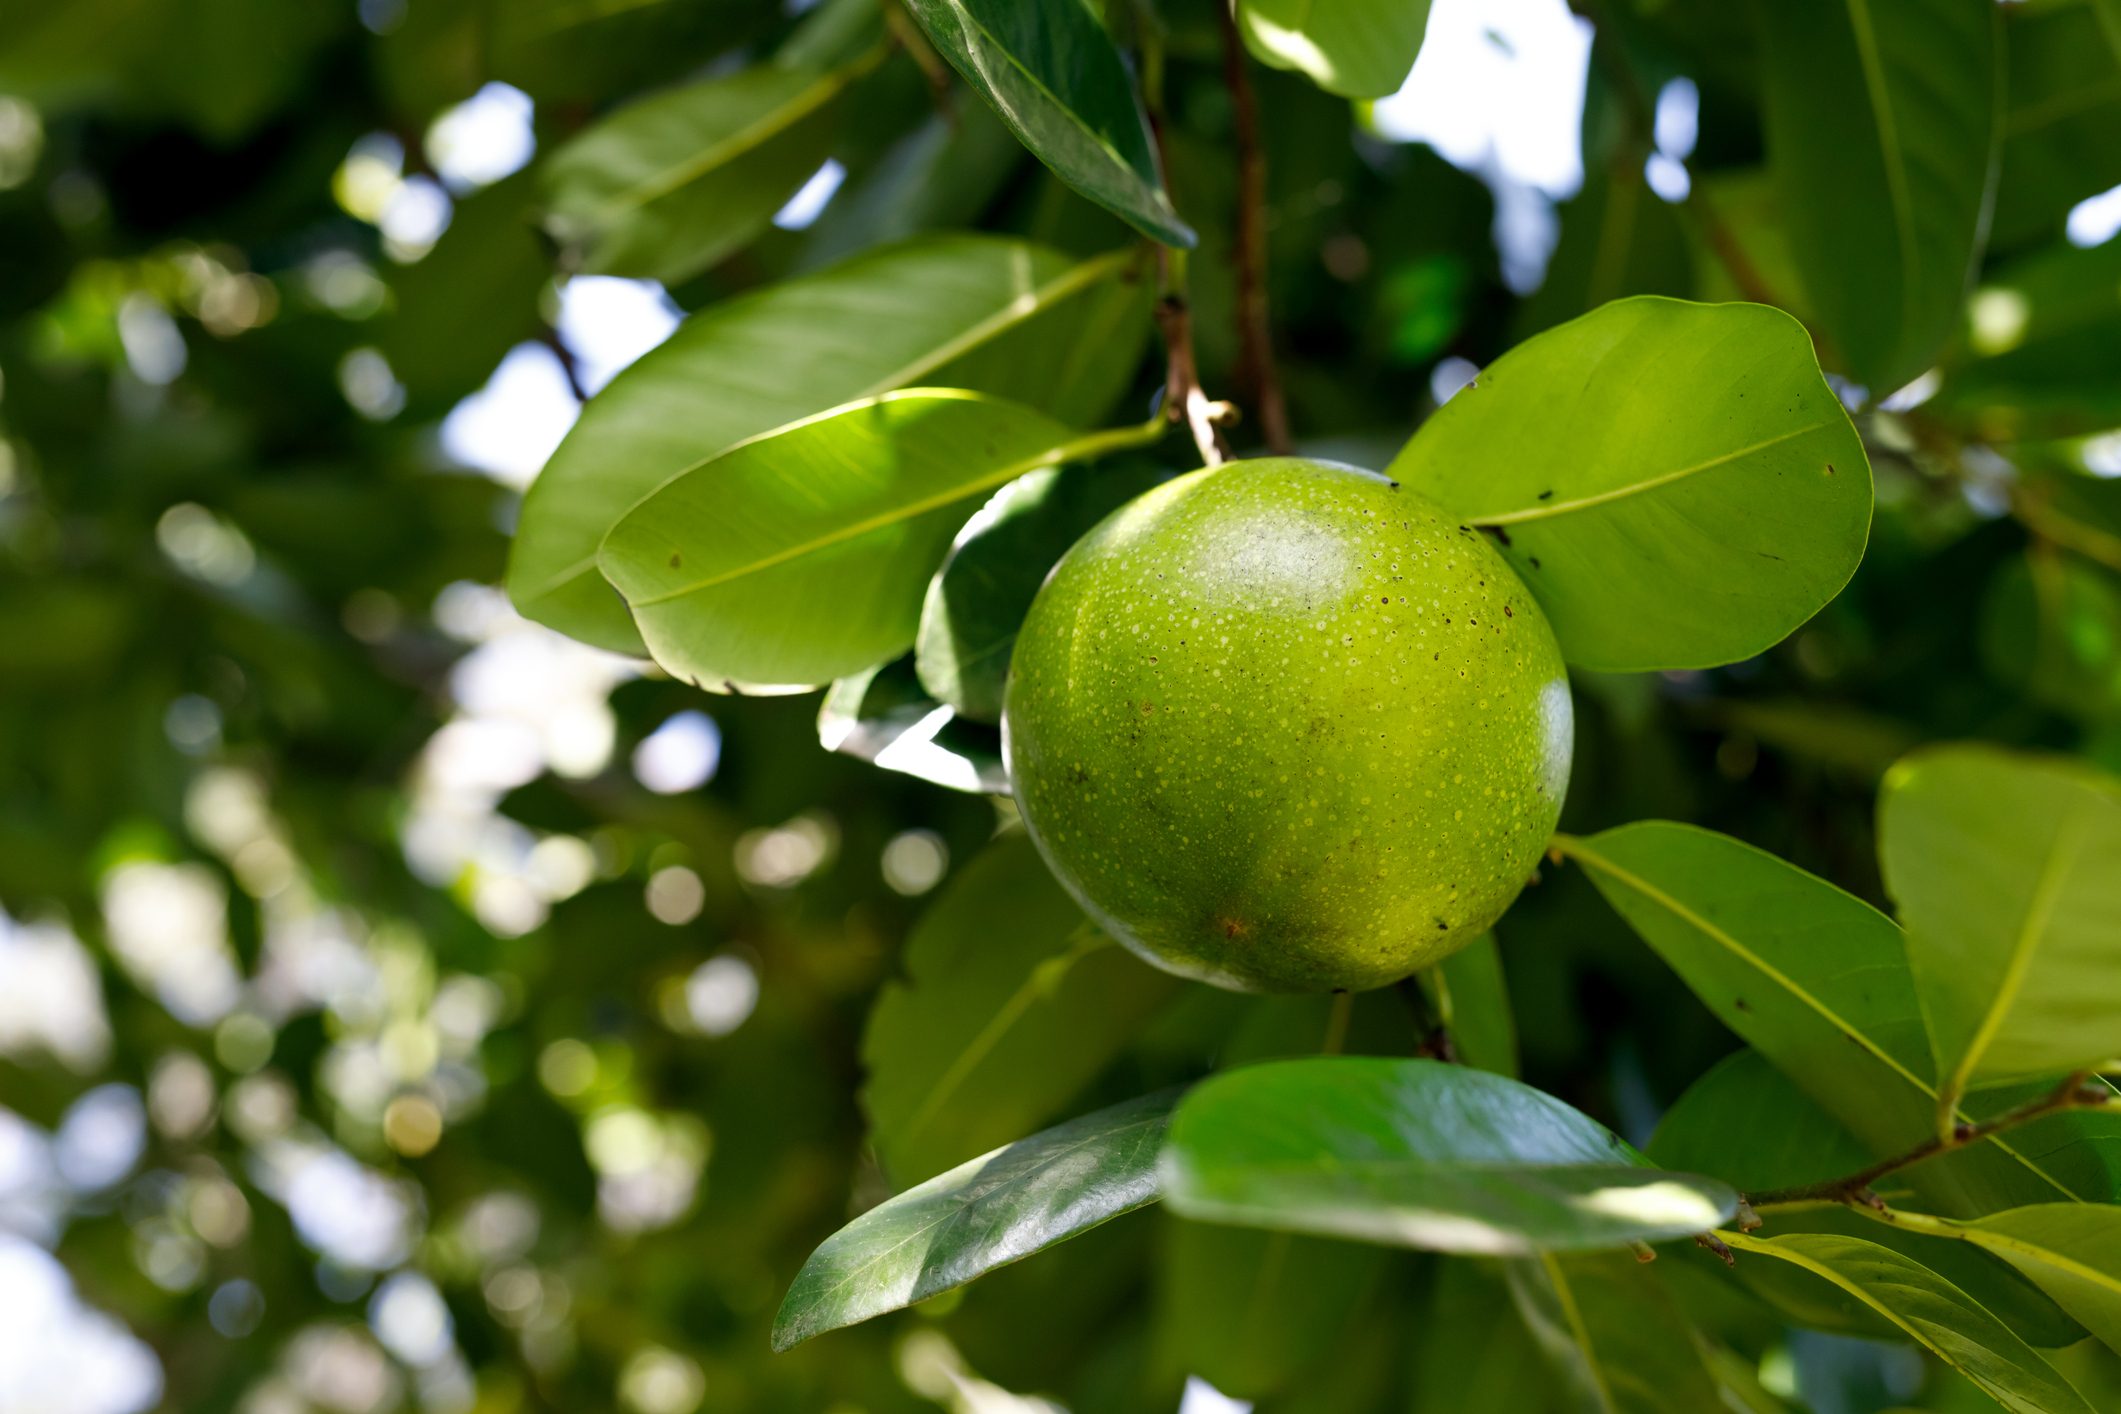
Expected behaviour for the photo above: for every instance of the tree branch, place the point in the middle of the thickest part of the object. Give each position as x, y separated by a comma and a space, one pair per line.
1184, 399
569, 365
2078, 1092
1256, 368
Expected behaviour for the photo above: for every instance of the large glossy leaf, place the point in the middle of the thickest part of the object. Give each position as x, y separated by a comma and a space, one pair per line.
1419, 1153
1883, 124
1674, 481
802, 555
1051, 72
2064, 106
672, 184
1747, 1123
1355, 48
998, 316
1818, 982
975, 605
884, 716
2007, 873
2072, 1251
984, 1213
1957, 1329
1614, 1333
1010, 1004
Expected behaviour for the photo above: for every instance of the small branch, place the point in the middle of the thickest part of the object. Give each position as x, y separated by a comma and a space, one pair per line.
2077, 1092
569, 365
1184, 399
1256, 368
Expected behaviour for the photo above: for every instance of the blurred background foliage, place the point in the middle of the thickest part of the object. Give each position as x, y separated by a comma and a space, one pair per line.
402, 1006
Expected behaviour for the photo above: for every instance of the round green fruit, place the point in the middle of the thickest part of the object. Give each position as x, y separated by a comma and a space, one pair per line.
1284, 726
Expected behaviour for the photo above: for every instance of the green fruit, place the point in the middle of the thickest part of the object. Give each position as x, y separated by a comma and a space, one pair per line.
1284, 726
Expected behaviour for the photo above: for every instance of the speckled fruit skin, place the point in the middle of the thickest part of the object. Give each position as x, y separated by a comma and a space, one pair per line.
1283, 726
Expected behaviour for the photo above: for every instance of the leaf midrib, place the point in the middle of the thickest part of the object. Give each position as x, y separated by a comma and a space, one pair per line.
2039, 912
1020, 310
839, 535
1581, 849
1895, 158
1636, 488
1831, 1274
745, 139
1996, 1239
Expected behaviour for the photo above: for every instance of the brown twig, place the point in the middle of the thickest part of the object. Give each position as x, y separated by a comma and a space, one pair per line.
1256, 368
569, 365
2079, 1091
1184, 399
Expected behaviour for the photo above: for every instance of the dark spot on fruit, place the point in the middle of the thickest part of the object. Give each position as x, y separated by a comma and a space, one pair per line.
1829, 468
1535, 562
1393, 484
1232, 928
1544, 495
1442, 927
1506, 613
1502, 537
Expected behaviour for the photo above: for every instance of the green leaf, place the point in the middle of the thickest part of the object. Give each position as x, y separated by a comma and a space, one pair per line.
1674, 481
1355, 48
975, 605
883, 716
802, 555
1613, 1332
2072, 1251
1883, 121
1475, 1352
998, 316
1818, 982
1473, 1002
2043, 333
675, 183
1943, 1318
1010, 1005
459, 309
2007, 872
2065, 104
1253, 1313
1747, 1123
2051, 629
1418, 1153
1052, 74
983, 1214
